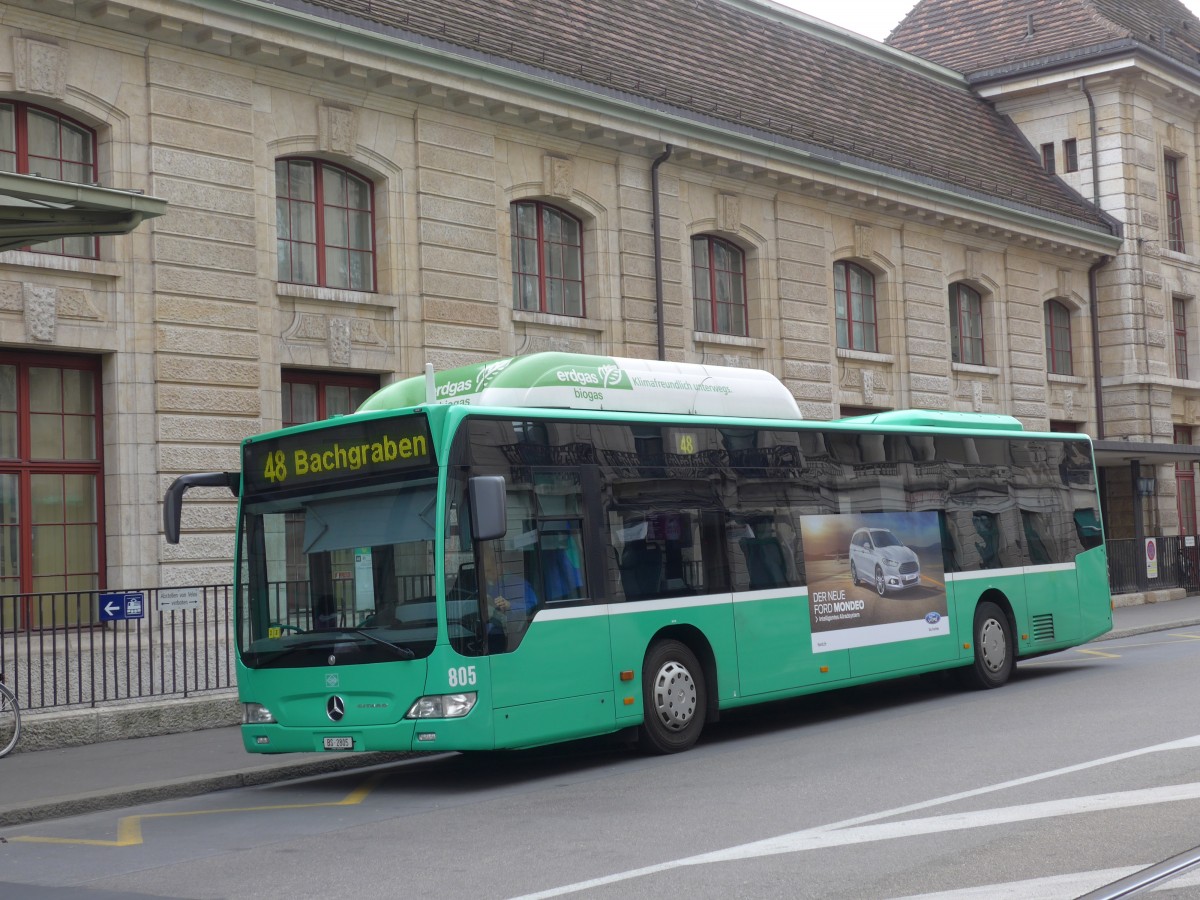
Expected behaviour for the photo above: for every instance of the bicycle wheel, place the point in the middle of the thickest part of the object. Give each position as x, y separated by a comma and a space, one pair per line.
10, 720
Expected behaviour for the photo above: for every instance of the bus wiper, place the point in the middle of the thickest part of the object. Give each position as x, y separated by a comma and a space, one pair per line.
401, 652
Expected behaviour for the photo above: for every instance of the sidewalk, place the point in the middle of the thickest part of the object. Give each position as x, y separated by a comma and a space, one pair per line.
47, 784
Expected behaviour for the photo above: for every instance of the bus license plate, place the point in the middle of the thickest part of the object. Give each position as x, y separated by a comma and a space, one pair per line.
342, 743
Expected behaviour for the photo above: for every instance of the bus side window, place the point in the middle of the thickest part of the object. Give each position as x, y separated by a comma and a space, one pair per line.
641, 569
561, 548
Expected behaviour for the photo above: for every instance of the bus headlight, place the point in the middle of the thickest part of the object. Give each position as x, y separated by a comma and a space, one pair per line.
442, 706
256, 714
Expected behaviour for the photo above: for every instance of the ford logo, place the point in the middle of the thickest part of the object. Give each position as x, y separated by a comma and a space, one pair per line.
933, 618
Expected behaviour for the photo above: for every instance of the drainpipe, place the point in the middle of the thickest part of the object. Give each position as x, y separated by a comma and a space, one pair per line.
1095, 142
1094, 303
658, 272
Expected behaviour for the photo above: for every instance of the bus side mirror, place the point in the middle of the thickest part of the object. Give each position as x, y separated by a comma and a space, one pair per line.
173, 501
488, 518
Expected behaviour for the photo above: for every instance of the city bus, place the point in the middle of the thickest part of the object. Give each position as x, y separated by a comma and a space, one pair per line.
556, 546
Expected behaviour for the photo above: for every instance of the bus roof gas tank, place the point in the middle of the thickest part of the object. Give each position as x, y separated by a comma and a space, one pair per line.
577, 381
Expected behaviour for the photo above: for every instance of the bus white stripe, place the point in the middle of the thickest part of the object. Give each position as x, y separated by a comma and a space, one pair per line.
639, 606
801, 592
1011, 571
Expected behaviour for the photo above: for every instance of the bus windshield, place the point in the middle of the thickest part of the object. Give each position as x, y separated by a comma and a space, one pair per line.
346, 574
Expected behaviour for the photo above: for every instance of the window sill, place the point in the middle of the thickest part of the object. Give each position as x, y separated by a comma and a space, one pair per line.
554, 320
728, 340
968, 369
49, 262
334, 295
1066, 379
1182, 384
1176, 256
866, 356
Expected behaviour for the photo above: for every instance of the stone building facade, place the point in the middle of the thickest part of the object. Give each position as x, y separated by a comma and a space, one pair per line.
1108, 93
194, 340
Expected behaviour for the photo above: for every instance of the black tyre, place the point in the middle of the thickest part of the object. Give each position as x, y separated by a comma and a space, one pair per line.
674, 696
880, 584
10, 721
995, 649
854, 574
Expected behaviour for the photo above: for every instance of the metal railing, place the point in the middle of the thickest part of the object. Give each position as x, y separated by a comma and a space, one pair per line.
56, 652
1175, 564
297, 605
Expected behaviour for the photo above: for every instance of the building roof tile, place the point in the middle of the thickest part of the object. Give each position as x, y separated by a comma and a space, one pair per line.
972, 36
755, 67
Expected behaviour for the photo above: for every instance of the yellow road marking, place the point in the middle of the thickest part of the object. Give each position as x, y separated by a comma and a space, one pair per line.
129, 828
1051, 662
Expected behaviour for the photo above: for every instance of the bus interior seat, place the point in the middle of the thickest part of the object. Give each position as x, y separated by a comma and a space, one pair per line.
641, 569
766, 563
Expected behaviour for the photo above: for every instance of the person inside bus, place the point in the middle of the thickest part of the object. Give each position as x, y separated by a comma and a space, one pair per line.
511, 604
559, 552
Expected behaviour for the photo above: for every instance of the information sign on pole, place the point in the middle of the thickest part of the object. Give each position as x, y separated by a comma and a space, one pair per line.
123, 605
1151, 558
176, 599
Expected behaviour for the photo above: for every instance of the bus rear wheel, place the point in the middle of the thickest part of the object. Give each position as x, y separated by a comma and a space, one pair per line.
995, 650
674, 696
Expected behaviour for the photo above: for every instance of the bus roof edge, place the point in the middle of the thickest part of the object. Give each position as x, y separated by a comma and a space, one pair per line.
585, 382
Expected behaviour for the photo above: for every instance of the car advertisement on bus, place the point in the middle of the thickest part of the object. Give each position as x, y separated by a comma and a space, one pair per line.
874, 578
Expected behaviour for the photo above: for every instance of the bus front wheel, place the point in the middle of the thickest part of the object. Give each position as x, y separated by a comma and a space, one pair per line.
674, 696
995, 650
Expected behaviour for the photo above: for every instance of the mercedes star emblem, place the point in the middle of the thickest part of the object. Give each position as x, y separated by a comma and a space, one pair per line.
335, 708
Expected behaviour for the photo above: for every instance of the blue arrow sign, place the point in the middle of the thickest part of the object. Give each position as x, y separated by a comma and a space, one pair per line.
117, 606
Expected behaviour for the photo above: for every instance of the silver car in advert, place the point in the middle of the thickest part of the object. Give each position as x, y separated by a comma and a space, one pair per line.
880, 558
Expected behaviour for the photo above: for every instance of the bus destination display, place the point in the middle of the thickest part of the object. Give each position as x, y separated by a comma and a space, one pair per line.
367, 448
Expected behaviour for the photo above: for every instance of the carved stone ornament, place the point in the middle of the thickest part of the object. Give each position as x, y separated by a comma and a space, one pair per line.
729, 212
558, 175
39, 68
339, 130
974, 265
339, 340
864, 241
41, 312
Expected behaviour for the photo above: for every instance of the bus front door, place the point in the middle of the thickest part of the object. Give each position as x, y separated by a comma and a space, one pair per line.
553, 681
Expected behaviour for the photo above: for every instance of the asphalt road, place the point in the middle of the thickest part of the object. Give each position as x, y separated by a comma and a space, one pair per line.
1084, 768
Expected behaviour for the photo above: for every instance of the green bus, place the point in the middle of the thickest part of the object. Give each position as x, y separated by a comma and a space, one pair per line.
554, 546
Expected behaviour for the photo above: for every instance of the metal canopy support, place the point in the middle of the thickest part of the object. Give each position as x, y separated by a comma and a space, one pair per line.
34, 209
1132, 456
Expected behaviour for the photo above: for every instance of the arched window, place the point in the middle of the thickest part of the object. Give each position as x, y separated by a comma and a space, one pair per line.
854, 299
966, 325
1058, 338
547, 259
35, 141
719, 286
324, 215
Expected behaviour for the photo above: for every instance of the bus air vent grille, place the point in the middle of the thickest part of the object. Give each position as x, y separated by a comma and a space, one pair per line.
1043, 627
